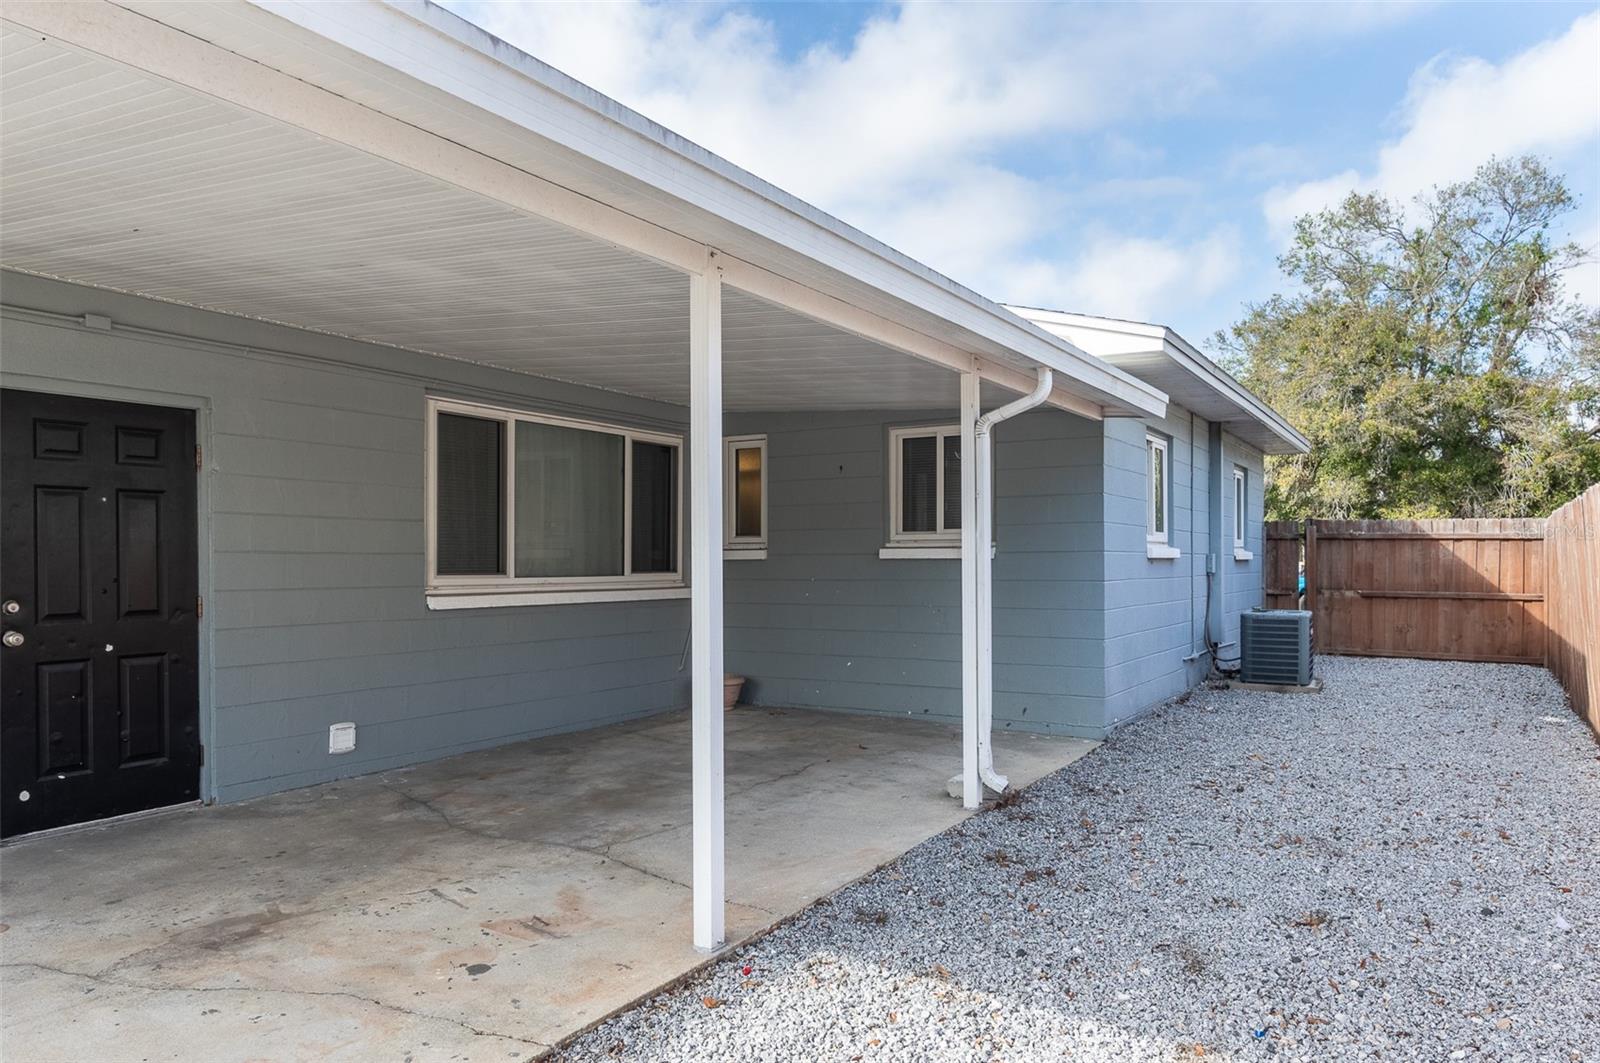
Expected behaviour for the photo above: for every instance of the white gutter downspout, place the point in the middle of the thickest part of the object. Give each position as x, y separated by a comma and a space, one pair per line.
983, 462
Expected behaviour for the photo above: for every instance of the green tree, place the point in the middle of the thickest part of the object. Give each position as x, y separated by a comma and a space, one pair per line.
1431, 355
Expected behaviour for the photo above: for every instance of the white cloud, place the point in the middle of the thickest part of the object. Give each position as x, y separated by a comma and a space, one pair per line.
965, 221
918, 87
1460, 111
904, 130
1282, 204
1133, 277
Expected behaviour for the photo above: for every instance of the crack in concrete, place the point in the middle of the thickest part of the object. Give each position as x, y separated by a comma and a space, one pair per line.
443, 816
780, 777
100, 979
603, 853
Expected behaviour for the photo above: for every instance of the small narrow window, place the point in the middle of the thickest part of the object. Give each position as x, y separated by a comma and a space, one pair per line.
925, 485
1239, 507
744, 497
1159, 464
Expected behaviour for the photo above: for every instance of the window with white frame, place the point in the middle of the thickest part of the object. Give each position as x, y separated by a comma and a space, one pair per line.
518, 501
744, 496
1239, 507
1158, 503
925, 486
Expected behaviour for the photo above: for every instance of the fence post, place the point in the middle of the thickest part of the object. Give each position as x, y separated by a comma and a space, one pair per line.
1311, 569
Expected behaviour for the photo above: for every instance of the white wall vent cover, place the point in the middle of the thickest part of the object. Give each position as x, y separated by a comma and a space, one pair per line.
342, 738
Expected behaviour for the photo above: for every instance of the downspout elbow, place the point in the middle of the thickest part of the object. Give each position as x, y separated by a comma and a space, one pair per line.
1043, 385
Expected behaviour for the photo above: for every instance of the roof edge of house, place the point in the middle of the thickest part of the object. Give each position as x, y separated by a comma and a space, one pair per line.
1191, 360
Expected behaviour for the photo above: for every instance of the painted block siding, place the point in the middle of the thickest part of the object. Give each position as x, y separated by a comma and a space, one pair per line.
1243, 589
1088, 630
312, 505
1156, 608
824, 622
313, 562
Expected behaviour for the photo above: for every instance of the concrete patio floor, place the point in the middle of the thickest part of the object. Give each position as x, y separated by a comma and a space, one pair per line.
480, 907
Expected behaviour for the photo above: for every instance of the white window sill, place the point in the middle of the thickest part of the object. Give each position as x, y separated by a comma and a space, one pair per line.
500, 599
894, 551
932, 551
1161, 552
744, 553
1243, 555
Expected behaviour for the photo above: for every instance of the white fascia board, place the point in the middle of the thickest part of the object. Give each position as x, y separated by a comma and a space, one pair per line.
1225, 383
445, 77
1113, 325
1183, 354
840, 314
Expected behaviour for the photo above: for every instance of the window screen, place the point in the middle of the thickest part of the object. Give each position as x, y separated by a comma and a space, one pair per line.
1238, 506
952, 483
919, 484
470, 516
569, 501
1158, 490
747, 474
655, 508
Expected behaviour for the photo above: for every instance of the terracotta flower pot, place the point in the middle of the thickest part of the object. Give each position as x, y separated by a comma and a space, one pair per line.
731, 687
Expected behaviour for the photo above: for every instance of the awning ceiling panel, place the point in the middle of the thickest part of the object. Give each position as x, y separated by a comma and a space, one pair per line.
118, 179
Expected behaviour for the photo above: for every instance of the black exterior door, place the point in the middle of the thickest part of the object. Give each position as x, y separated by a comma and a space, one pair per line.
99, 697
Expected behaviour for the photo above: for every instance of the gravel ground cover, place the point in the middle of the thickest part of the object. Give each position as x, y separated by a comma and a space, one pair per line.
1404, 867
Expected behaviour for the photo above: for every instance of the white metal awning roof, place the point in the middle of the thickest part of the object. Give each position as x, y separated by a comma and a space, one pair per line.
113, 179
271, 161
1159, 355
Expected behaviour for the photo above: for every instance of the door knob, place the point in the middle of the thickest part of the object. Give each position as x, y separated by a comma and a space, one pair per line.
13, 639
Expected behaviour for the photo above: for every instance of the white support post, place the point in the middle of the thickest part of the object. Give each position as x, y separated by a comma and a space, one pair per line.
983, 462
971, 546
705, 551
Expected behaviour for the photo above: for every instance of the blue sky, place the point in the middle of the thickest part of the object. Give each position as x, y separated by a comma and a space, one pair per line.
1143, 161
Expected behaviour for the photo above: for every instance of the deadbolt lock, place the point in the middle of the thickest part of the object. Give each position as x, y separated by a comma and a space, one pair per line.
12, 606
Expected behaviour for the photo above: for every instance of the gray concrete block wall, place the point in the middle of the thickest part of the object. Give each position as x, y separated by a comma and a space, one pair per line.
825, 622
1049, 573
822, 622
312, 509
313, 545
1154, 610
1089, 631
1243, 589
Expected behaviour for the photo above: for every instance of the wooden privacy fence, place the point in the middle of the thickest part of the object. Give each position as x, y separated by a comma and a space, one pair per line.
1459, 590
1572, 605
1280, 572
1523, 591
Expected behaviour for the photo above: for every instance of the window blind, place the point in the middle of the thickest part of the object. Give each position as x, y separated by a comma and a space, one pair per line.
919, 484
